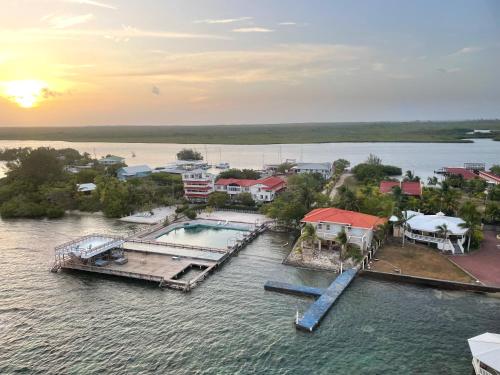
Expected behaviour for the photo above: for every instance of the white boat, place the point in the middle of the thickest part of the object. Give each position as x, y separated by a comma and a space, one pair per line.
222, 165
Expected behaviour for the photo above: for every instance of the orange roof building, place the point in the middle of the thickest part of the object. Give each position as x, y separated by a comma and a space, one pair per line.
329, 222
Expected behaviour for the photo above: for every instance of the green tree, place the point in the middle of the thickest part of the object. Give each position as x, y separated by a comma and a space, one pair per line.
241, 174
472, 218
113, 196
189, 154
218, 199
340, 165
245, 199
343, 239
308, 235
495, 169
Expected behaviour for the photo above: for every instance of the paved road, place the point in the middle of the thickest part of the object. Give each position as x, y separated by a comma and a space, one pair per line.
339, 183
484, 263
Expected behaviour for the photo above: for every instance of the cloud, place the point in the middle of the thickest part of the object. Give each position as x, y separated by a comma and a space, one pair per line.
155, 90
287, 23
123, 34
378, 67
92, 3
64, 21
287, 63
468, 50
449, 70
253, 30
223, 20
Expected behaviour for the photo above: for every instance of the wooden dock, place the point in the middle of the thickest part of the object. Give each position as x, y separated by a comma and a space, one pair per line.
176, 266
317, 311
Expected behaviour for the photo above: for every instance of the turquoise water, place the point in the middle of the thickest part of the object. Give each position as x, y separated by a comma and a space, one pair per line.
85, 324
201, 235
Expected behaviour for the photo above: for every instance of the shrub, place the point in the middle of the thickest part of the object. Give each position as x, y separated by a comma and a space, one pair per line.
190, 214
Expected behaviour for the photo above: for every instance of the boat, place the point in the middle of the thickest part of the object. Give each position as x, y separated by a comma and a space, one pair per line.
222, 165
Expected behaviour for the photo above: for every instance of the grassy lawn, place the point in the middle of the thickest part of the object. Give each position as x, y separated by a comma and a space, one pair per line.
418, 260
451, 131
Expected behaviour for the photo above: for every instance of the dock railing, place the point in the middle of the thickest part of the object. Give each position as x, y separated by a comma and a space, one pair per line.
184, 246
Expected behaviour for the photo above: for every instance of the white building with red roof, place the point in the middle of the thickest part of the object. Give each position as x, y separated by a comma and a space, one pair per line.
329, 222
198, 185
262, 190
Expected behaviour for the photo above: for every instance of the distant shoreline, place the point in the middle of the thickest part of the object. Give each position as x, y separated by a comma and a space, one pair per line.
376, 132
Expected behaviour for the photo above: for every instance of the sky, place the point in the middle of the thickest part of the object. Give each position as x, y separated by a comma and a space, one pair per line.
186, 62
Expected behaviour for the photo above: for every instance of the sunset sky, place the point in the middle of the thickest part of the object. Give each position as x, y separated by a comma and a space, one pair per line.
152, 62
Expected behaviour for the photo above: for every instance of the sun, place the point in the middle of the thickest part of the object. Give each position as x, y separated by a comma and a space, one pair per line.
26, 93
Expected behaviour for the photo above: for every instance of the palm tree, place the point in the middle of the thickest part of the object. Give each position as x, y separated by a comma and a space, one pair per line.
308, 234
402, 221
472, 218
432, 180
443, 230
342, 239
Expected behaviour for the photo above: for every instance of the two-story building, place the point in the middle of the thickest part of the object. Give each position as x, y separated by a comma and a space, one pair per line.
329, 222
137, 171
262, 190
429, 229
198, 185
324, 169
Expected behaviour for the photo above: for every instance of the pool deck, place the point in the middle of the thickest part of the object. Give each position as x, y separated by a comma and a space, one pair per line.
159, 215
167, 264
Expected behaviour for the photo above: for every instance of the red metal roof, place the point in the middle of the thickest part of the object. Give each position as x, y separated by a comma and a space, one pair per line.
465, 173
489, 175
270, 182
386, 186
407, 187
338, 216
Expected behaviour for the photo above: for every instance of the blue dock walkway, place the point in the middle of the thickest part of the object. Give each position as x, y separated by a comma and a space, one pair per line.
318, 309
298, 290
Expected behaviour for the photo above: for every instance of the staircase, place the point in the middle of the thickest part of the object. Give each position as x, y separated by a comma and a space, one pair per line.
457, 248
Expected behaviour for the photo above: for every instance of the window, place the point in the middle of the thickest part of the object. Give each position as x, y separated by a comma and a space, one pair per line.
327, 226
320, 226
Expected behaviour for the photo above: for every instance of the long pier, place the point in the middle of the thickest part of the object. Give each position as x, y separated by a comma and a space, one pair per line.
318, 309
297, 290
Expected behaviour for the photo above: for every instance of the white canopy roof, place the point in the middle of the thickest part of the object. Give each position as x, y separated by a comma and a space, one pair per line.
486, 348
429, 223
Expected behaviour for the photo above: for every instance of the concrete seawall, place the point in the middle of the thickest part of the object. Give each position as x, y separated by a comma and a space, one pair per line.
434, 283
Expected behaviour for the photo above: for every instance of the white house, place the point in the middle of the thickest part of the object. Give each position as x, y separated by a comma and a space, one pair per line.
136, 171
425, 228
198, 185
262, 190
86, 188
111, 160
324, 169
485, 351
329, 222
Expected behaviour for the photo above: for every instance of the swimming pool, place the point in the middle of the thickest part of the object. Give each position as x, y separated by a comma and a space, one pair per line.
202, 235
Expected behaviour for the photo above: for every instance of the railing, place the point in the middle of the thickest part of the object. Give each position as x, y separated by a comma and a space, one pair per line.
421, 237
478, 369
183, 246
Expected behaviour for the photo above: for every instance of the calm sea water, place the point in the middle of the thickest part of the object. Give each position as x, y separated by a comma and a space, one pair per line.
85, 324
421, 158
